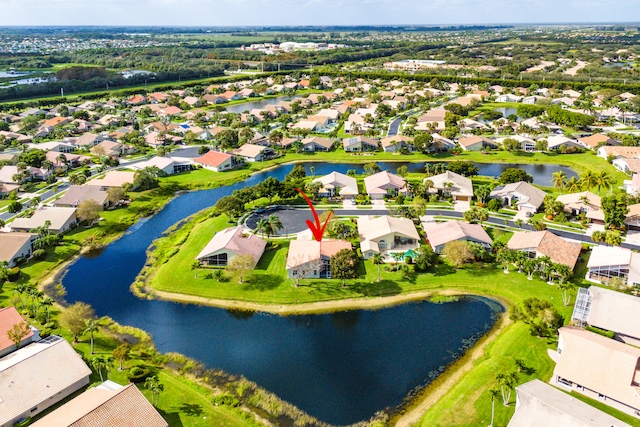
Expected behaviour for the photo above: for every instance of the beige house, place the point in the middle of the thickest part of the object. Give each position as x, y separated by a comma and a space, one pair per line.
584, 202
253, 152
310, 259
216, 161
38, 376
384, 184
113, 179
229, 243
545, 243
77, 194
593, 142
476, 143
106, 405
359, 143
611, 262
451, 184
9, 317
540, 404
60, 218
337, 184
393, 144
441, 233
385, 234
317, 144
598, 367
527, 197
14, 246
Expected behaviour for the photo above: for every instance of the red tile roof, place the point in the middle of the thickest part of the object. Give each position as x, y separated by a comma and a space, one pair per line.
213, 158
9, 316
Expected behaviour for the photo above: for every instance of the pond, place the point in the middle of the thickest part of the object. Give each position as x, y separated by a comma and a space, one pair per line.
340, 367
261, 103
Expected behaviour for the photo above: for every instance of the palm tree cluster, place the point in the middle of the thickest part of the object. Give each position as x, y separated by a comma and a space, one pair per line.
544, 266
34, 301
588, 180
269, 226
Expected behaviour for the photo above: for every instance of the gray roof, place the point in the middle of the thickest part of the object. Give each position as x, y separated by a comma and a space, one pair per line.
540, 404
525, 192
77, 194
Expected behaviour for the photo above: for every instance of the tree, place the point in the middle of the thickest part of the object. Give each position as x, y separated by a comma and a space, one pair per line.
423, 141
603, 180
14, 206
514, 175
75, 317
558, 178
494, 392
230, 205
115, 194
566, 289
378, 260
89, 211
18, 332
101, 362
344, 265
482, 193
425, 258
241, 265
92, 326
147, 178
46, 303
463, 168
507, 382
154, 385
372, 168
402, 171
573, 185
615, 210
588, 180
458, 252
274, 223
121, 354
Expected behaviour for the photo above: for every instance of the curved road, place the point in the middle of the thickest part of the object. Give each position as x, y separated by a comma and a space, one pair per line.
394, 127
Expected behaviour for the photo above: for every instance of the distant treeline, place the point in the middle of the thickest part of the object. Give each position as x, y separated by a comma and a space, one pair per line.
97, 83
81, 73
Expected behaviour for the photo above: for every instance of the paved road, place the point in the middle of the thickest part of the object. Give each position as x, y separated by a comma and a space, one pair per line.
394, 127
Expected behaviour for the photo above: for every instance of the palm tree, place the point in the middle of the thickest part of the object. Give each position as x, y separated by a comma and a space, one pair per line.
274, 223
603, 179
588, 180
46, 302
21, 289
378, 260
397, 257
194, 266
102, 362
494, 392
507, 382
154, 385
558, 179
92, 326
263, 226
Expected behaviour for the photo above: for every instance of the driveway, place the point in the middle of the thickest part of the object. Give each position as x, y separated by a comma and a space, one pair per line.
394, 127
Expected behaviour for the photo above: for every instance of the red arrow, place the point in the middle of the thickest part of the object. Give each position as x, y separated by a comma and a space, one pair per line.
317, 229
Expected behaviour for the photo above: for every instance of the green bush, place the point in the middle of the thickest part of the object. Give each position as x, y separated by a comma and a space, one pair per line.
13, 274
608, 334
226, 400
39, 253
138, 374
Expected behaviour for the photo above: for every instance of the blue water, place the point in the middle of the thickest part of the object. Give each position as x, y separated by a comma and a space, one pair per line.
340, 367
261, 103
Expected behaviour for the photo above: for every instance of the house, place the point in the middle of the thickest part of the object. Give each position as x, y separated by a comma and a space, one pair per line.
508, 98
246, 93
557, 142
393, 144
253, 152
526, 144
440, 143
596, 140
37, 376
386, 234
108, 148
9, 317
584, 202
544, 243
331, 114
310, 125
337, 184
106, 405
170, 111
608, 310
526, 196
439, 234
632, 219
214, 99
476, 143
359, 143
317, 144
610, 262
451, 184
540, 404
57, 121
88, 140
432, 118
311, 259
76, 194
618, 151
229, 243
168, 165
60, 218
598, 367
632, 186
626, 165
384, 184
216, 161
56, 146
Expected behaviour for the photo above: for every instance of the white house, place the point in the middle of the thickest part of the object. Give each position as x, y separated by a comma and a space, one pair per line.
441, 233
311, 259
527, 197
337, 184
386, 234
384, 183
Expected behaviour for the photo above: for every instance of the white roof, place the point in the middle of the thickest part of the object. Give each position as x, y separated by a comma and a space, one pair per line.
540, 404
159, 162
370, 227
114, 179
58, 216
445, 232
31, 375
461, 184
347, 184
614, 311
379, 182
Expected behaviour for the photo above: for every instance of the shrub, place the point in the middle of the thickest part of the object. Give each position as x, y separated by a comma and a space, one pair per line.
226, 400
138, 374
13, 273
39, 253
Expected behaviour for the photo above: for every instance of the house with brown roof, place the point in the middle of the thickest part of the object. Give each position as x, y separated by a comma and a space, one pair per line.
229, 243
16, 246
384, 184
593, 142
359, 144
541, 404
386, 234
216, 161
337, 184
317, 143
310, 259
76, 194
441, 233
627, 165
476, 143
57, 121
108, 148
9, 317
544, 243
393, 144
88, 140
37, 376
598, 367
113, 179
584, 202
107, 405
170, 111
619, 151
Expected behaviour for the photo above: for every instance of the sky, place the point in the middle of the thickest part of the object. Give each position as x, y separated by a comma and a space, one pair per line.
312, 12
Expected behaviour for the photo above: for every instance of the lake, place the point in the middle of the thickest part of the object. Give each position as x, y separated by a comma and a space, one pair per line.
261, 103
340, 367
